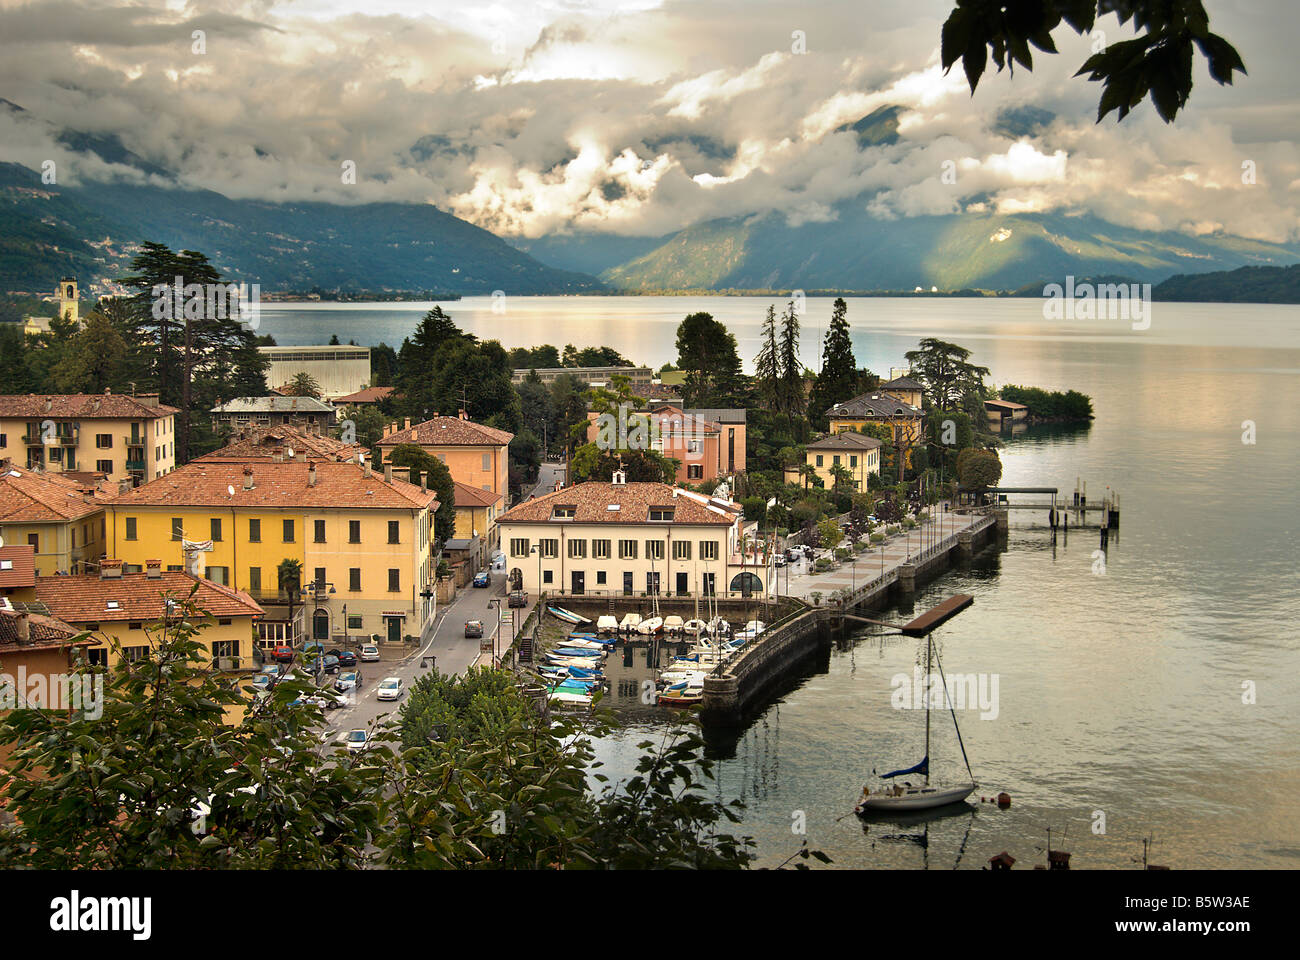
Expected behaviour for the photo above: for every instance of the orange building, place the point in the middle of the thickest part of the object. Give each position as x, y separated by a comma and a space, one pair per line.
474, 454
707, 444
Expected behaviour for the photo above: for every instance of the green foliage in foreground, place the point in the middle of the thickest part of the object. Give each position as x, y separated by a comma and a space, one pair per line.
470, 777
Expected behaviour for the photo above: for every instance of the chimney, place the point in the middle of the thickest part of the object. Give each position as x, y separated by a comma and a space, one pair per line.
108, 391
49, 404
24, 628
110, 569
618, 479
248, 478
402, 473
464, 415
369, 468
153, 569
406, 423
388, 473
311, 475
123, 485
424, 480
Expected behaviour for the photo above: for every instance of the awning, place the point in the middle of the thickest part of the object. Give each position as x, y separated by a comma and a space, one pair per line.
394, 613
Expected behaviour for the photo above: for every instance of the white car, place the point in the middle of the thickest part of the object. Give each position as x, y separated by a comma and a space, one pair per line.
369, 652
355, 740
390, 688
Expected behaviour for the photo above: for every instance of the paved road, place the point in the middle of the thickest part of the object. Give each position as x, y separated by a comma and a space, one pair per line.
549, 475
447, 643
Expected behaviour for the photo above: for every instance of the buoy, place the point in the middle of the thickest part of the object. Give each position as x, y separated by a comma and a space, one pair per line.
1004, 800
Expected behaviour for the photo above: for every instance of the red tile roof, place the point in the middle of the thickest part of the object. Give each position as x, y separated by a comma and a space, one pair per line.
85, 598
82, 406
29, 497
261, 443
205, 483
367, 395
17, 566
42, 633
448, 431
592, 500
467, 496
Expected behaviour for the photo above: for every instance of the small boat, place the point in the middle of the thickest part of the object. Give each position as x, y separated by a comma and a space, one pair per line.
630, 622
905, 796
568, 616
694, 627
674, 624
581, 662
579, 643
570, 698
684, 694
719, 628
607, 624
592, 656
582, 635
651, 625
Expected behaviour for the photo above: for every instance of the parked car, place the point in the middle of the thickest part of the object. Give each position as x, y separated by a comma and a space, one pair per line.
369, 653
282, 654
473, 628
329, 663
346, 657
263, 682
347, 681
483, 579
355, 740
323, 699
779, 560
390, 688
518, 598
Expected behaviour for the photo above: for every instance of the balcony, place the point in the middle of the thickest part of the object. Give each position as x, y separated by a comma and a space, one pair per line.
135, 466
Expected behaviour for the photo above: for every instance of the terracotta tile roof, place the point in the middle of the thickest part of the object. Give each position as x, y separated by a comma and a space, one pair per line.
591, 502
205, 483
85, 598
467, 496
29, 497
448, 431
83, 406
849, 440
366, 395
262, 443
874, 405
17, 566
42, 632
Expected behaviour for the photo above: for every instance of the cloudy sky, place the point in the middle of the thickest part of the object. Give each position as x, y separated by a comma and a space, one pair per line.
638, 117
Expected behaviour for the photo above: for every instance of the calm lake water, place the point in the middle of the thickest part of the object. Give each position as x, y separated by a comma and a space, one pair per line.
1119, 692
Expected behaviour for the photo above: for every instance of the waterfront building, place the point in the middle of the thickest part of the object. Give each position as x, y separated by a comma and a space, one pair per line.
631, 539
903, 387
242, 413
123, 437
1005, 411
338, 370
705, 449
857, 453
475, 455
883, 409
362, 541
58, 516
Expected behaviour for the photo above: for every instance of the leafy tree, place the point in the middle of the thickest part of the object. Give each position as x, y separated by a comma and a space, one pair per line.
1157, 62
367, 422
829, 533
439, 480
838, 380
977, 469
706, 350
950, 380
383, 365
95, 358
304, 385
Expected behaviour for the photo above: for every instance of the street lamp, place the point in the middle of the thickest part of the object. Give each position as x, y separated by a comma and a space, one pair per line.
541, 607
496, 602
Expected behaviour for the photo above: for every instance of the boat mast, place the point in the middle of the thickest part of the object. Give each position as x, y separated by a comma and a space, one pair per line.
926, 693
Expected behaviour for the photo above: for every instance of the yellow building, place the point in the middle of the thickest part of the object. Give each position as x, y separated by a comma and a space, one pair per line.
117, 607
60, 517
477, 534
475, 455
903, 419
362, 540
855, 452
903, 387
68, 304
125, 438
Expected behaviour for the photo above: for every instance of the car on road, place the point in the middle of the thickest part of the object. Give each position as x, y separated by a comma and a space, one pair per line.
282, 654
329, 663
390, 688
355, 740
323, 699
518, 598
369, 653
483, 579
346, 657
473, 628
263, 682
779, 559
349, 680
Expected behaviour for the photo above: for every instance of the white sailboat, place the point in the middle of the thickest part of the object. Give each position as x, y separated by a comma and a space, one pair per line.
898, 797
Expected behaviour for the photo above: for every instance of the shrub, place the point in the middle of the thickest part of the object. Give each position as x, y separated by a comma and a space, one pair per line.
843, 553
877, 538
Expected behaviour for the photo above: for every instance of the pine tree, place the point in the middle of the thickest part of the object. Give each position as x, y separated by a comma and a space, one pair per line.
767, 371
838, 380
792, 401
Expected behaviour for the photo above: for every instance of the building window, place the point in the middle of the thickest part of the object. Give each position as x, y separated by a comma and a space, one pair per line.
354, 579
394, 581
134, 654
394, 531
695, 471
224, 649
219, 575
600, 549
654, 549
354, 531
853, 461
254, 531
354, 623
577, 549
130, 528
708, 549
319, 579
627, 549
550, 549
254, 580
178, 528
318, 531
104, 441
519, 547
681, 549
600, 578
661, 513
288, 531
34, 541
215, 529
548, 576
819, 460
487, 461
104, 466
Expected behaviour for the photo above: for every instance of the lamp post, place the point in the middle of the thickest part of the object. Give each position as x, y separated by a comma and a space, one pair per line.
541, 607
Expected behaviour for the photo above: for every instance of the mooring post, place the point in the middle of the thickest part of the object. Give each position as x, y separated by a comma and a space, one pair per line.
907, 575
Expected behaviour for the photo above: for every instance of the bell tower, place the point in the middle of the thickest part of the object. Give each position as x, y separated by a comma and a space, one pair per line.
68, 301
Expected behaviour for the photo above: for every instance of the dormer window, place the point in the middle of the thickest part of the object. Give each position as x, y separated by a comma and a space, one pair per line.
661, 514
564, 512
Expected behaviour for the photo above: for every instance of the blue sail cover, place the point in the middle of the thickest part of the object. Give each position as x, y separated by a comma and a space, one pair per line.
922, 768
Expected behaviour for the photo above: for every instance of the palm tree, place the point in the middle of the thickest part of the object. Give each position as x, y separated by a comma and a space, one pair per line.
289, 577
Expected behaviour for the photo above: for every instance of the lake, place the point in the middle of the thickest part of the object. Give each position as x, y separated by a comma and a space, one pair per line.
1120, 692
